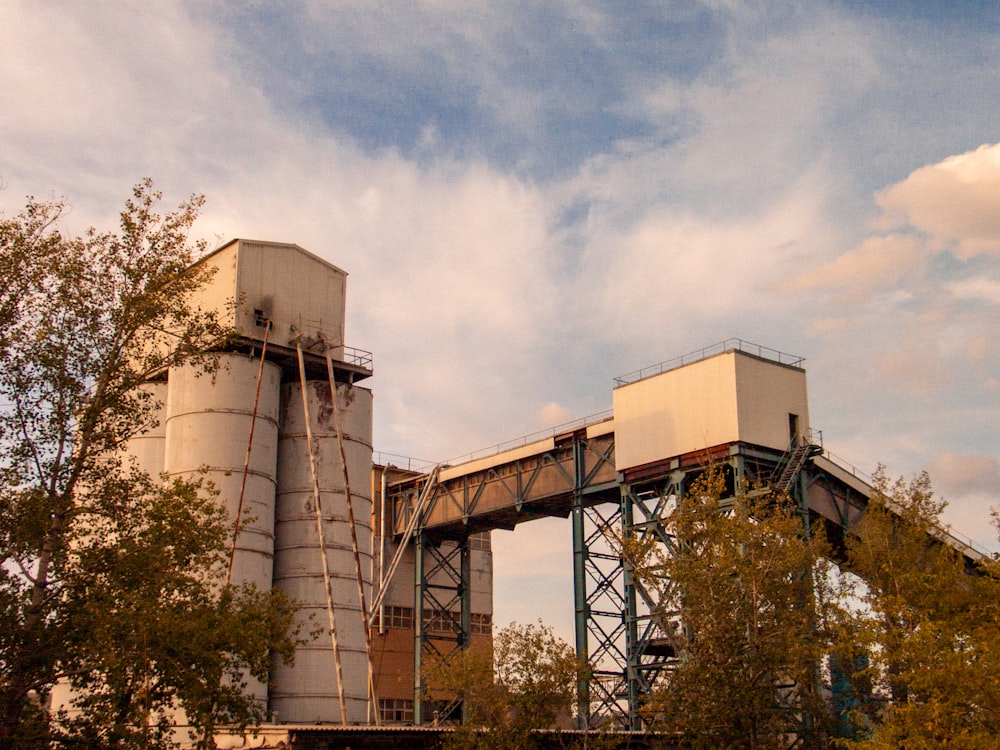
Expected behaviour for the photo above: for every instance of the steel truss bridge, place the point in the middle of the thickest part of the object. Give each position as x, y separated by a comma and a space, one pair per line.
572, 474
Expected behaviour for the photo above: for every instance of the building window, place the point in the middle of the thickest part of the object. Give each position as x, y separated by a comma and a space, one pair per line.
395, 710
481, 624
398, 617
436, 621
480, 540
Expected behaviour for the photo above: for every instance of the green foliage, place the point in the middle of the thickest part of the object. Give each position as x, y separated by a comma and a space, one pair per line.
525, 680
742, 596
104, 572
929, 627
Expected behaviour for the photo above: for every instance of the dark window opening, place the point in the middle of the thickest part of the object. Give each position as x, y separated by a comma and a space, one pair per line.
793, 429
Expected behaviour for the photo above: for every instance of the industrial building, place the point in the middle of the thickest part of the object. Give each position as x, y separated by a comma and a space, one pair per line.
395, 562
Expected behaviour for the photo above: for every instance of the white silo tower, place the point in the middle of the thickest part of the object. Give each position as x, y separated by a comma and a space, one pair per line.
145, 450
209, 418
288, 318
310, 691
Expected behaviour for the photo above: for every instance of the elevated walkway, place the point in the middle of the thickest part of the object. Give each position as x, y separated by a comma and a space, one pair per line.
726, 406
542, 477
519, 484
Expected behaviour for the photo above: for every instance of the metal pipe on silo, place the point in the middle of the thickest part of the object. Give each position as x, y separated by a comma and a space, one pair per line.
302, 694
358, 568
237, 523
383, 523
321, 540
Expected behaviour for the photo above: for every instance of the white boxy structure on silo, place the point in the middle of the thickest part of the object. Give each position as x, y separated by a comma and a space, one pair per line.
730, 397
298, 292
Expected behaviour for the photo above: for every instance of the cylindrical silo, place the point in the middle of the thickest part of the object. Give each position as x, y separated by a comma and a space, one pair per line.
307, 692
208, 425
145, 449
144, 452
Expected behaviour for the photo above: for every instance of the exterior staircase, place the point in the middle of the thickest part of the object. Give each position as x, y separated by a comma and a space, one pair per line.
786, 472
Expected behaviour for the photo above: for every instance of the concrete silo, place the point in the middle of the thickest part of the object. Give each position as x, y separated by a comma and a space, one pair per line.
311, 690
145, 450
209, 418
247, 425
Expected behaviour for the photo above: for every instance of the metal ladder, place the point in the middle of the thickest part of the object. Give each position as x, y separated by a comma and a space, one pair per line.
786, 472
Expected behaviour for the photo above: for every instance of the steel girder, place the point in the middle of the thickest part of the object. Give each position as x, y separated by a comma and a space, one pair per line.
516, 486
443, 574
600, 601
620, 630
576, 470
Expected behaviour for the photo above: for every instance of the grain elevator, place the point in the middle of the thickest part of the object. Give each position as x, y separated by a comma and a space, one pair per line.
283, 431
265, 430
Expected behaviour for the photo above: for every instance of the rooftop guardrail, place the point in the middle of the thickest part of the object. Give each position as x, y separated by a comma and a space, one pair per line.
729, 345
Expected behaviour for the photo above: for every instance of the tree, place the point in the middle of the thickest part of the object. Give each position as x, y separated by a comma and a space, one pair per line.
525, 680
741, 594
105, 573
928, 629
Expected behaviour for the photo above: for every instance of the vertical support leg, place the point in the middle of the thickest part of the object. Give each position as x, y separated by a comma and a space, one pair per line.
801, 493
741, 480
419, 636
582, 610
442, 618
600, 612
631, 619
644, 515
465, 598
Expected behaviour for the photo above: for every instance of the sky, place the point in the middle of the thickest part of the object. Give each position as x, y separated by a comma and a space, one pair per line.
533, 198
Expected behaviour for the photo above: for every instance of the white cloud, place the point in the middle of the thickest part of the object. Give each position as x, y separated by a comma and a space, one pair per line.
96, 101
554, 414
956, 474
913, 332
977, 289
875, 263
914, 366
956, 202
673, 269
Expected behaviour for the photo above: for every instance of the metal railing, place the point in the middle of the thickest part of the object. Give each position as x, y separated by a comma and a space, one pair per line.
532, 437
409, 463
424, 466
947, 530
357, 357
847, 466
729, 345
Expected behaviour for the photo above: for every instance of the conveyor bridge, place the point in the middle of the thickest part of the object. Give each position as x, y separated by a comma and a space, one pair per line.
579, 473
